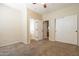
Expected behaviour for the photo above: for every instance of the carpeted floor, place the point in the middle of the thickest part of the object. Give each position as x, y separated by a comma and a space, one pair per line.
40, 48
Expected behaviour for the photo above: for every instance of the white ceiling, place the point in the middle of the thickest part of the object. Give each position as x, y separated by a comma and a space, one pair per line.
50, 7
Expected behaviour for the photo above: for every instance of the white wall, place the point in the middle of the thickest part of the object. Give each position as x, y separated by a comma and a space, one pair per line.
13, 24
9, 26
22, 8
57, 14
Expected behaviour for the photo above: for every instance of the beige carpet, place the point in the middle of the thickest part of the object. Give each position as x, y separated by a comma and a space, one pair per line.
40, 48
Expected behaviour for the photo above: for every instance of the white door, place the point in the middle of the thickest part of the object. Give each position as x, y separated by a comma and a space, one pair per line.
66, 29
38, 32
45, 29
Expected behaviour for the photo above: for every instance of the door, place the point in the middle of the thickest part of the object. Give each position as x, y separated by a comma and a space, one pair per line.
38, 32
46, 30
66, 29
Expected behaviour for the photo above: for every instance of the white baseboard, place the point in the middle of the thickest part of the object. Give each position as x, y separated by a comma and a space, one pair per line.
10, 43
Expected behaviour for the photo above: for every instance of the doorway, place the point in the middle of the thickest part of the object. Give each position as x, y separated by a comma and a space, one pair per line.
46, 30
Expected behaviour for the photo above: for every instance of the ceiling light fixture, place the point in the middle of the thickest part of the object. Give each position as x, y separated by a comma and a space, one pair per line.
44, 4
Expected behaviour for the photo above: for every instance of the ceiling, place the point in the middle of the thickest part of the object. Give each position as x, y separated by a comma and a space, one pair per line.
50, 7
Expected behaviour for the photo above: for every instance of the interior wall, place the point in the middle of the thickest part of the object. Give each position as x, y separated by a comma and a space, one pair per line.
9, 26
57, 14
33, 15
22, 8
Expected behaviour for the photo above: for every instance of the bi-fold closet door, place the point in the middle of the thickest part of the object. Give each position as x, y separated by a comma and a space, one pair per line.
66, 29
36, 29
